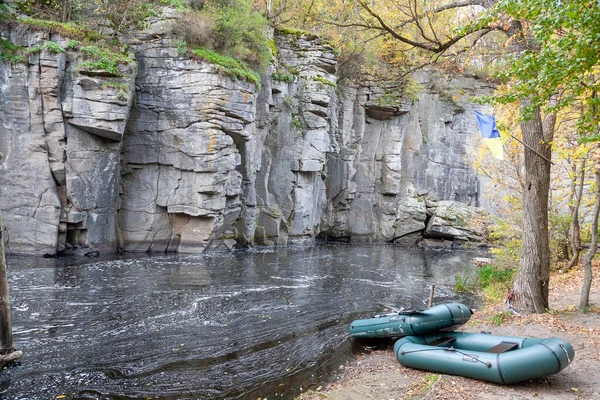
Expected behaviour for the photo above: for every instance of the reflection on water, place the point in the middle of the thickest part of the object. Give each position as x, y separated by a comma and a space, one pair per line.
248, 324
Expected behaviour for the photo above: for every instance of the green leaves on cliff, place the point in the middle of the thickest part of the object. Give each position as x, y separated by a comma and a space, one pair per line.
240, 33
232, 29
9, 52
54, 47
104, 55
71, 30
102, 59
228, 65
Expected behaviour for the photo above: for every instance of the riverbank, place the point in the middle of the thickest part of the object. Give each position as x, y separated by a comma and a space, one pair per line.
378, 375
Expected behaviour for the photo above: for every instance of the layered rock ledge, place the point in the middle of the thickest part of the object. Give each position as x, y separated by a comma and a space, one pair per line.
170, 155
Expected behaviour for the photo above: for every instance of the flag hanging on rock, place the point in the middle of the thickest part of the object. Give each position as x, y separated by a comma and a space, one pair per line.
490, 134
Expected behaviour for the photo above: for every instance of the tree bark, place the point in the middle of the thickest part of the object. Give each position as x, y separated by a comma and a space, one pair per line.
575, 228
533, 275
65, 11
6, 339
584, 301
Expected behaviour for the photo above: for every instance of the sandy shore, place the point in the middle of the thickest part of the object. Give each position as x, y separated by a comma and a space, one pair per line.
378, 375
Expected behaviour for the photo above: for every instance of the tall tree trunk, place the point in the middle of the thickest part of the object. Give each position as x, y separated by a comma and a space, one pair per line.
584, 301
65, 10
533, 275
6, 339
575, 228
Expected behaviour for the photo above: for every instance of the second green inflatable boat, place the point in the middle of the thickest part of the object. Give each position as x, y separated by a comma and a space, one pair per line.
498, 359
442, 316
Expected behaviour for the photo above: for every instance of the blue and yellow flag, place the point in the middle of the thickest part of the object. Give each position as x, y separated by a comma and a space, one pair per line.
490, 134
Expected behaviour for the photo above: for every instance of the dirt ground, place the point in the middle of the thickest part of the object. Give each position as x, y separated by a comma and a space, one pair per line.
377, 375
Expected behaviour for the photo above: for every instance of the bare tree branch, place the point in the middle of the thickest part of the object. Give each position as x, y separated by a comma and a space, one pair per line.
429, 45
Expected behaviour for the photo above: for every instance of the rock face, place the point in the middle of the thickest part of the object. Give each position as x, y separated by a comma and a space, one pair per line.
185, 154
172, 156
394, 159
297, 107
60, 142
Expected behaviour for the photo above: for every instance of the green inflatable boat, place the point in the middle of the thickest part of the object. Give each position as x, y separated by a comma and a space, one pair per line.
442, 316
498, 359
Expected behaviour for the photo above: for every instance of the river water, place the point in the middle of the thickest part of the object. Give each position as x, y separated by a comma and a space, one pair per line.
248, 324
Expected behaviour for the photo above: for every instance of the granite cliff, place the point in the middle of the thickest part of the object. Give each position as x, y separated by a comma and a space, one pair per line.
171, 155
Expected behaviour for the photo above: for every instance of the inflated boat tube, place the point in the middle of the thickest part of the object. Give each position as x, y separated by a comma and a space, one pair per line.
498, 359
442, 316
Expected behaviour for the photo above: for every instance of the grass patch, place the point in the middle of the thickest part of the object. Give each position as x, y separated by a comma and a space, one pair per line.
102, 55
228, 66
288, 101
182, 48
465, 282
177, 4
122, 89
412, 89
102, 59
66, 29
53, 47
33, 49
490, 275
490, 282
428, 381
73, 44
283, 77
499, 318
121, 94
273, 47
297, 33
9, 52
324, 81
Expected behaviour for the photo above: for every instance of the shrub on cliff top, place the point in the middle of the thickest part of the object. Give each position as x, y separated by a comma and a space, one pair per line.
229, 27
197, 29
240, 33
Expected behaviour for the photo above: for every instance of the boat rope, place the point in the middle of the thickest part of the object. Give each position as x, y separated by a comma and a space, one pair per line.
562, 346
462, 318
420, 350
453, 350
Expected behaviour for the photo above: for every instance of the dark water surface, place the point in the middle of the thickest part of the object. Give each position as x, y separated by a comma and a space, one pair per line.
248, 324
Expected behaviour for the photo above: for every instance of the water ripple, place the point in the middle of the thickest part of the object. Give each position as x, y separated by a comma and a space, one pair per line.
247, 324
